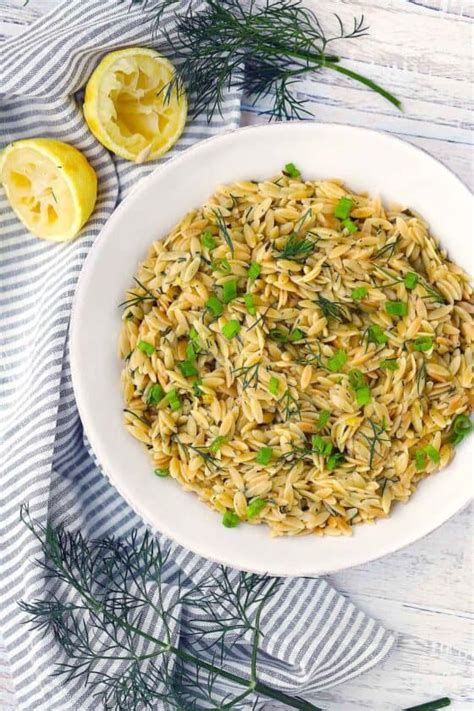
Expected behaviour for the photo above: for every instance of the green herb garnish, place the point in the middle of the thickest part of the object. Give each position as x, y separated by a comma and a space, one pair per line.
350, 226
375, 334
396, 308
363, 395
229, 291
334, 460
162, 473
215, 306
336, 361
272, 43
274, 385
321, 446
231, 329
255, 507
420, 459
460, 428
324, 416
357, 378
155, 394
250, 304
423, 343
410, 280
207, 240
264, 455
187, 368
389, 364
254, 271
221, 265
359, 293
343, 208
217, 444
297, 249
230, 519
173, 399
291, 170
332, 309
432, 453
145, 347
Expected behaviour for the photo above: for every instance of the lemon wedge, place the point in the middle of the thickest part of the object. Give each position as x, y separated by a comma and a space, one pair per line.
50, 185
126, 107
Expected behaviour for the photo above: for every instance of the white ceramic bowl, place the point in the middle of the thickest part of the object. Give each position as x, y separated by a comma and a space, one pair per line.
366, 160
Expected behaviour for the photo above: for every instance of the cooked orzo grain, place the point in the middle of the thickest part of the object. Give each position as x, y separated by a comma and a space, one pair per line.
298, 355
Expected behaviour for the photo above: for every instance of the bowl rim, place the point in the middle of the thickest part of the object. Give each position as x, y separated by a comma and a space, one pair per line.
89, 262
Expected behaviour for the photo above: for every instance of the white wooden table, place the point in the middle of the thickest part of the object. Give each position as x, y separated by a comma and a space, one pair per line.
421, 50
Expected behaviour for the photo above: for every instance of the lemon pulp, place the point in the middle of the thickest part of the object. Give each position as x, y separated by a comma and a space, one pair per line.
126, 104
50, 185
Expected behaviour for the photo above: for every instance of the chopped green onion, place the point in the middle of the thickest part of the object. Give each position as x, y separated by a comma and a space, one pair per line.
155, 394
357, 378
254, 270
162, 472
292, 170
324, 416
191, 351
230, 519
432, 453
359, 293
297, 335
145, 347
278, 335
255, 507
410, 280
221, 265
264, 455
420, 459
229, 291
461, 427
334, 460
396, 308
193, 334
350, 226
376, 335
215, 306
274, 385
196, 389
217, 444
231, 329
207, 240
187, 368
321, 446
389, 364
250, 304
336, 361
363, 396
173, 399
343, 208
423, 343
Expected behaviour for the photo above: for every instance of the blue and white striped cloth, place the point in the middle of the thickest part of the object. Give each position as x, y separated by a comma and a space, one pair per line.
314, 638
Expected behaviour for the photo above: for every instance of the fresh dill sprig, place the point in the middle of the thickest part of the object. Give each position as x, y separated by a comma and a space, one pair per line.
295, 454
336, 310
138, 298
308, 355
261, 318
290, 407
224, 230
432, 293
142, 419
210, 461
262, 48
375, 439
387, 251
114, 618
249, 375
297, 249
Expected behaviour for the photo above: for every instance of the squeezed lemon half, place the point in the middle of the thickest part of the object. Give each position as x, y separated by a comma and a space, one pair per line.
50, 185
126, 107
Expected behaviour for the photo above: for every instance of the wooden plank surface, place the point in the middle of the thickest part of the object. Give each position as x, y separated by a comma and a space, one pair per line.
421, 50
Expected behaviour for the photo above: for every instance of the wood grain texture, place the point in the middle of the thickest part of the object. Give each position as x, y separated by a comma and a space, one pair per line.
421, 50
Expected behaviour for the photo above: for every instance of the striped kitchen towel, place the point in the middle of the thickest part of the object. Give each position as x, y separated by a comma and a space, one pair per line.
314, 638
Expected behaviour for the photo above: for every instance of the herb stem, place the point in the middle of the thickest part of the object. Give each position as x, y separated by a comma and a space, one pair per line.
366, 81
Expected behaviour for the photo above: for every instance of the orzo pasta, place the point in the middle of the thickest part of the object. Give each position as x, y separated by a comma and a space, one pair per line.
298, 355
